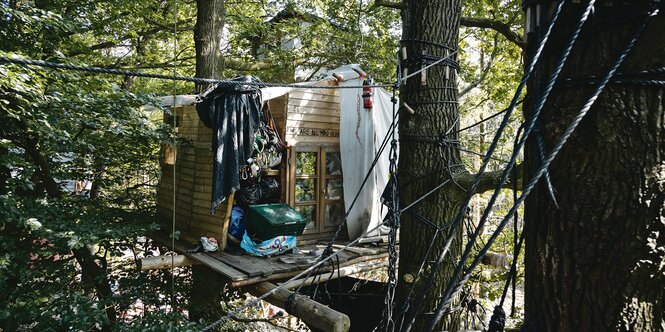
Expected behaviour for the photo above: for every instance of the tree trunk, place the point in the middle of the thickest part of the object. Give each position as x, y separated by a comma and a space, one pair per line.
210, 15
595, 263
207, 293
423, 165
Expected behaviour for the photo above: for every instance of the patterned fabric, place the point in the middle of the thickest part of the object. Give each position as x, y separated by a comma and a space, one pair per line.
275, 246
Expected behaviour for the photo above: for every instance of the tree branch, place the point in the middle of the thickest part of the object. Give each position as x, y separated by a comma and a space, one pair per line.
387, 4
498, 26
98, 278
489, 180
484, 71
113, 43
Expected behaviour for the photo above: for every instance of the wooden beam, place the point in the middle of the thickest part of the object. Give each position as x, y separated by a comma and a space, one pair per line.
164, 262
227, 219
226, 271
313, 313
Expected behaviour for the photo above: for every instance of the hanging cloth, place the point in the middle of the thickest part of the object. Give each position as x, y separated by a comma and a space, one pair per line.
232, 111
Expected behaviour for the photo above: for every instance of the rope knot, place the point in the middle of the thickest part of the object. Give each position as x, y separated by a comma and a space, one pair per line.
498, 320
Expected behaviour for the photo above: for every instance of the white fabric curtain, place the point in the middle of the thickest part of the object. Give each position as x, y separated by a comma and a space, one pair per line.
361, 134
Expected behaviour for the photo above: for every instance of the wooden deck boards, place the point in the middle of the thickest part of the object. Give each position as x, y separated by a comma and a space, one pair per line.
243, 270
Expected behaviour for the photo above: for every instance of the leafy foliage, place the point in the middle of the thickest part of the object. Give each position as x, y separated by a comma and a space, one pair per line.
60, 129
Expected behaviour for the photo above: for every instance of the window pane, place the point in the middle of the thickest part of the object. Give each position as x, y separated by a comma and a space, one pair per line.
309, 212
333, 163
305, 190
305, 163
334, 214
334, 189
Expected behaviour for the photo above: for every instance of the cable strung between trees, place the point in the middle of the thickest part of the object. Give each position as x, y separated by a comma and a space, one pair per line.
221, 82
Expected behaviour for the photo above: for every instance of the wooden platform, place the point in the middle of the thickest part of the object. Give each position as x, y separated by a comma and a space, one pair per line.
244, 269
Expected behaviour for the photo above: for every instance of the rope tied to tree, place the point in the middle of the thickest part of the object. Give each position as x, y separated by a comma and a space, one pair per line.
454, 286
420, 297
498, 320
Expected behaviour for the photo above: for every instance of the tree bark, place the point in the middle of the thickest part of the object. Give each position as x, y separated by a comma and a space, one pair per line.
210, 16
595, 263
207, 292
423, 165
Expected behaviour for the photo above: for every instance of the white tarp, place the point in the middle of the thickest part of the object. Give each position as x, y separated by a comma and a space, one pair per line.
361, 134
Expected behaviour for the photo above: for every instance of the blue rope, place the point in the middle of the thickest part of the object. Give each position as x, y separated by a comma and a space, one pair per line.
545, 165
474, 186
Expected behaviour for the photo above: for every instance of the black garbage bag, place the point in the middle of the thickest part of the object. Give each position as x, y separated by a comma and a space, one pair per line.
263, 191
232, 111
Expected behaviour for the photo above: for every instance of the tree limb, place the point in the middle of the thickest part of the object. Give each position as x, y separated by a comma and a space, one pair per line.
387, 4
498, 26
89, 268
489, 180
484, 71
469, 22
113, 43
239, 65
98, 278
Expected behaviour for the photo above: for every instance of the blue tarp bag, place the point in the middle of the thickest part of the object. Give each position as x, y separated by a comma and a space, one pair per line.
275, 246
236, 224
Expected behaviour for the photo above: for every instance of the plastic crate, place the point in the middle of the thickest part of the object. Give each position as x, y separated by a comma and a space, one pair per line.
266, 221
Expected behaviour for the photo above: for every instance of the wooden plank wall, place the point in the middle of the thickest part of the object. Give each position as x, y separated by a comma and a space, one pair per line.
302, 116
278, 108
313, 116
193, 182
312, 120
203, 223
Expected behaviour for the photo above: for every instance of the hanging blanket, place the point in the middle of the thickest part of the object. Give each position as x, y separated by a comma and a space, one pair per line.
233, 114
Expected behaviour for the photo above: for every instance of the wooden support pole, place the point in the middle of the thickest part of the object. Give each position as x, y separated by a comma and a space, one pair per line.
408, 108
405, 72
164, 262
360, 72
423, 73
227, 219
311, 312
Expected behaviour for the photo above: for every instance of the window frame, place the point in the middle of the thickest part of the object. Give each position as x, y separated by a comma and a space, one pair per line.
320, 202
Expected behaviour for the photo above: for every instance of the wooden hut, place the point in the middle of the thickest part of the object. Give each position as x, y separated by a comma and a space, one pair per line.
309, 176
311, 181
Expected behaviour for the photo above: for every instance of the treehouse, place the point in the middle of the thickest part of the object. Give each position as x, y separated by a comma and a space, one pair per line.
331, 138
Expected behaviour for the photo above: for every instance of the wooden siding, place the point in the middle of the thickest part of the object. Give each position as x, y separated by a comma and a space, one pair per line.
313, 116
193, 182
308, 116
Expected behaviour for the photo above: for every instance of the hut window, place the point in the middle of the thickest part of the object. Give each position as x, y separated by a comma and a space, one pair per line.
318, 192
306, 185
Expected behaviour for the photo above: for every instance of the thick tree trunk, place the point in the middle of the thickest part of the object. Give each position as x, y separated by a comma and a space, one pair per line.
210, 15
207, 292
596, 262
426, 26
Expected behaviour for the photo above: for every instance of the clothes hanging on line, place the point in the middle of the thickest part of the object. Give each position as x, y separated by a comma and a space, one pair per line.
233, 112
